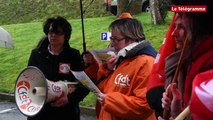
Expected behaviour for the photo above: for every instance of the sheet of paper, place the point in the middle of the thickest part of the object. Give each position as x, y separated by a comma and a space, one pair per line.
101, 55
86, 81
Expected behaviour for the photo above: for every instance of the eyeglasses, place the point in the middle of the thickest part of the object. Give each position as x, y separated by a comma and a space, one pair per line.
116, 40
58, 33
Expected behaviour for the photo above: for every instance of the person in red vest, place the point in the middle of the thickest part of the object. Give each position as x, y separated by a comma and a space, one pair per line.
197, 66
165, 66
177, 34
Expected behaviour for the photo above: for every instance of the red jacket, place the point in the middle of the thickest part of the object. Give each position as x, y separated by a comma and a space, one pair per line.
202, 61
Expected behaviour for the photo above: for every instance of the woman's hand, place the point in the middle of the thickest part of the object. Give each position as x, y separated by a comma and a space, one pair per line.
101, 98
176, 105
60, 101
111, 61
166, 100
160, 118
172, 102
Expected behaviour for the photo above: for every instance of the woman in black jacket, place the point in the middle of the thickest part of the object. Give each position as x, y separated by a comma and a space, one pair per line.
54, 57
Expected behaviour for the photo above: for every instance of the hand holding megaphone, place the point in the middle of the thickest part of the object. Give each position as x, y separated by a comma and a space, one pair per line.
33, 90
56, 90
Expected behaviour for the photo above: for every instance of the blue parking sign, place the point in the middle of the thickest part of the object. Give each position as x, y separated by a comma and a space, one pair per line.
105, 36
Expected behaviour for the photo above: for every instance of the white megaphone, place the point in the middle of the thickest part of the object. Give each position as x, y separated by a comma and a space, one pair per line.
33, 90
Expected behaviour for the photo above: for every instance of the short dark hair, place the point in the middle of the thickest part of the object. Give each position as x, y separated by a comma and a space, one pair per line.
56, 23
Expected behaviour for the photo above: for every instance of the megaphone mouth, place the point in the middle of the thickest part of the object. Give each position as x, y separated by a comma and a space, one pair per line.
34, 91
30, 91
39, 91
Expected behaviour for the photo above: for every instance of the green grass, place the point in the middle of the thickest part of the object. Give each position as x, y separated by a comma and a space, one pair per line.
26, 37
24, 11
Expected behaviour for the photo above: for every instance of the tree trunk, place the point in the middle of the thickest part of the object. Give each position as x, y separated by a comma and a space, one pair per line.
155, 12
121, 7
131, 6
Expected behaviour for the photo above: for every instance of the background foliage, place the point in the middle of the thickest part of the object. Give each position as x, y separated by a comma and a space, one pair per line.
24, 11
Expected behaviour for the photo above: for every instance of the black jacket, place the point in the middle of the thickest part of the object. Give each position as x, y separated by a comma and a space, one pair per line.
52, 68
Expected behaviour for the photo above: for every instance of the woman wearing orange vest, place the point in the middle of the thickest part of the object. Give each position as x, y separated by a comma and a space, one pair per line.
123, 78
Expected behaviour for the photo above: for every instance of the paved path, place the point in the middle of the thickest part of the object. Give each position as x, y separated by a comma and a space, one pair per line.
9, 111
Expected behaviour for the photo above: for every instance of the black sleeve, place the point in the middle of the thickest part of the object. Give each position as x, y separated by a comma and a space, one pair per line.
81, 92
78, 95
78, 64
32, 59
154, 99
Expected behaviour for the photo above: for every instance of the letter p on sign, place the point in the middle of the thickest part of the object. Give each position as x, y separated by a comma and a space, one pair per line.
105, 36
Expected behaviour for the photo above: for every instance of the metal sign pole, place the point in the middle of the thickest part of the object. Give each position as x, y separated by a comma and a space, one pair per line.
82, 24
